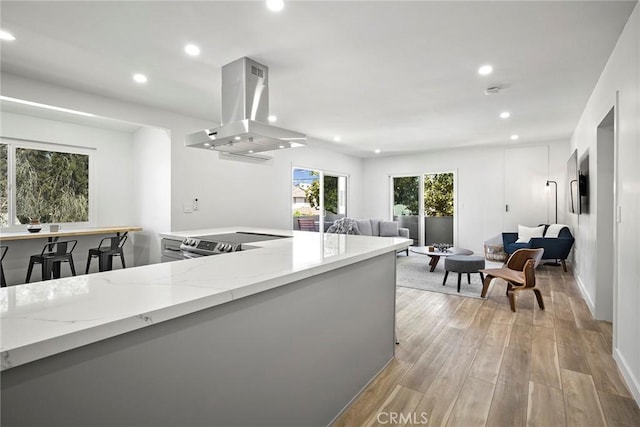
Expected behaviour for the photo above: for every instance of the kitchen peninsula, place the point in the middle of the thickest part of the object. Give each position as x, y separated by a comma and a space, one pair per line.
286, 333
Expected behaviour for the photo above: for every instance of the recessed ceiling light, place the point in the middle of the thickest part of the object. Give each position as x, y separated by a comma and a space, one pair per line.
280, 146
206, 144
377, 151
192, 50
514, 137
140, 78
5, 35
275, 5
505, 115
237, 138
250, 151
272, 119
485, 70
337, 138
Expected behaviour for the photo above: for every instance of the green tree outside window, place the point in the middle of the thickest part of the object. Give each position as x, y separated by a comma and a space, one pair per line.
312, 193
405, 192
52, 186
438, 194
4, 197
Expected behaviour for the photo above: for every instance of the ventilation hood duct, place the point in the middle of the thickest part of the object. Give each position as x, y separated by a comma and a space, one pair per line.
245, 112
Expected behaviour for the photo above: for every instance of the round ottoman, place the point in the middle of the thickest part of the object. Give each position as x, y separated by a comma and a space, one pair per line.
463, 264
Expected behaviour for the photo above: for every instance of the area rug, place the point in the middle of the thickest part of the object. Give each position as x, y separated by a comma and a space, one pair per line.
413, 272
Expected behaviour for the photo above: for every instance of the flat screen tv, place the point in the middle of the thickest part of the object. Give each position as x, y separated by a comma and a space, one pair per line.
583, 183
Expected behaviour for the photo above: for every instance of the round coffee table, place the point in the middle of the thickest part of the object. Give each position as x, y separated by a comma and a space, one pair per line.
436, 255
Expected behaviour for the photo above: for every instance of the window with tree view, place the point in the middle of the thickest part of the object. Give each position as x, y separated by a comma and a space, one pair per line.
4, 195
438, 194
50, 185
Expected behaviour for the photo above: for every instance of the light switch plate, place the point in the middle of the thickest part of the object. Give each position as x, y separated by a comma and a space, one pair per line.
187, 208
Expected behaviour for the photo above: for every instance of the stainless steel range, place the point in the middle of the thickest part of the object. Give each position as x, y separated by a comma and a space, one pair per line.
199, 246
194, 247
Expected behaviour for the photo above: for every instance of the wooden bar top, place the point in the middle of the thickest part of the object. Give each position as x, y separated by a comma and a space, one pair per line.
65, 232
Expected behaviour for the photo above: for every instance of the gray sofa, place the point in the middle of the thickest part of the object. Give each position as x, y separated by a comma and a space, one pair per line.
369, 227
376, 227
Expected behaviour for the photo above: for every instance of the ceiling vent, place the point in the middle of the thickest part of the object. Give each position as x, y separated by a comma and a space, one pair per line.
493, 90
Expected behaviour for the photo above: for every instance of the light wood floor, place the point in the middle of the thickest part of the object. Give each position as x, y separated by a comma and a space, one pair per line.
472, 362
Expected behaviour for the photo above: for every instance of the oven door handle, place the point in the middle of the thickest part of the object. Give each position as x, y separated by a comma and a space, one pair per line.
191, 255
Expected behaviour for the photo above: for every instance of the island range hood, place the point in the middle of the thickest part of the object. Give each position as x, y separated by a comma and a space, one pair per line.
245, 110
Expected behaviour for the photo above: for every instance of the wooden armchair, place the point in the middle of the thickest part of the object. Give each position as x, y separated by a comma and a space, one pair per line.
519, 273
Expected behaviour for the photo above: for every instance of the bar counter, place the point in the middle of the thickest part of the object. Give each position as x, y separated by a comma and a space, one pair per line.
64, 232
284, 334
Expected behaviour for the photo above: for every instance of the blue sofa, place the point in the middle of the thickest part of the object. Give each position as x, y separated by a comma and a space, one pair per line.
556, 248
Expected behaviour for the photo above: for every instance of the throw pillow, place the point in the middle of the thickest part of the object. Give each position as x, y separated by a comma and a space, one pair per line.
526, 233
375, 227
388, 229
364, 225
554, 230
344, 226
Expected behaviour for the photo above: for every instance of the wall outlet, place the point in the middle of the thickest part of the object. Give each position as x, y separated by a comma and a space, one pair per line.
195, 204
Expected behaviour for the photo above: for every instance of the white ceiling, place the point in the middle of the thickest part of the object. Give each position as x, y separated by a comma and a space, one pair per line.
398, 76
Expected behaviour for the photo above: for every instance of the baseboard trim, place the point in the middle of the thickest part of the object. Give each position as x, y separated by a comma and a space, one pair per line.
585, 295
630, 379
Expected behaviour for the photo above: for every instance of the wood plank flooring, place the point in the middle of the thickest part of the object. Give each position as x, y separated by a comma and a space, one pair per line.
471, 362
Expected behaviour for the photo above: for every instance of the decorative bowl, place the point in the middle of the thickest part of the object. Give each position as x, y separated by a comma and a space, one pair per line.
33, 228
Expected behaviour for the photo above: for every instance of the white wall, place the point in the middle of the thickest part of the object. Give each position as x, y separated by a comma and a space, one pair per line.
151, 185
229, 192
603, 206
480, 186
234, 193
113, 159
620, 80
113, 176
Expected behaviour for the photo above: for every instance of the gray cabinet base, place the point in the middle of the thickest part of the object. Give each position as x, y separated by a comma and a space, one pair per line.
294, 355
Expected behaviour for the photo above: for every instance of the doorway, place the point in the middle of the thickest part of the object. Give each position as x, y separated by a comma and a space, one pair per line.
425, 204
605, 219
318, 198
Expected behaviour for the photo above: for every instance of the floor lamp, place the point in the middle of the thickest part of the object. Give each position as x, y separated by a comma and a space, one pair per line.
555, 190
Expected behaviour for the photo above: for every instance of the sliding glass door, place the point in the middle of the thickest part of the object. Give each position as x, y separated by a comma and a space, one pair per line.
438, 208
425, 204
407, 206
335, 197
318, 199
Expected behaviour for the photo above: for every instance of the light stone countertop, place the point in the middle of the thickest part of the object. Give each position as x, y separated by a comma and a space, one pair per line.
41, 319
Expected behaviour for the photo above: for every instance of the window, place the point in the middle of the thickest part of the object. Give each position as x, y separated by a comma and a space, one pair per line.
4, 195
425, 204
43, 181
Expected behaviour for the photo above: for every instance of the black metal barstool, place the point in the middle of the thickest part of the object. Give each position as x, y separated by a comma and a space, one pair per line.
3, 252
52, 256
106, 251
